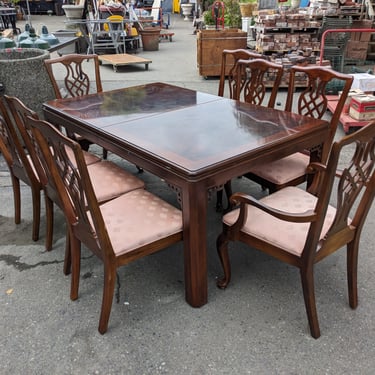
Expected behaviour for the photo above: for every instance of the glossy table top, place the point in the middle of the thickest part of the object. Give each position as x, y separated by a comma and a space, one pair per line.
194, 141
189, 130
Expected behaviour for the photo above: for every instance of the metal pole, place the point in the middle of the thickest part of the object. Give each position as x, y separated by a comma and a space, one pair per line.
339, 31
28, 13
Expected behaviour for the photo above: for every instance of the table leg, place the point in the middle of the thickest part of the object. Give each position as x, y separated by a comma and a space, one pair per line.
194, 207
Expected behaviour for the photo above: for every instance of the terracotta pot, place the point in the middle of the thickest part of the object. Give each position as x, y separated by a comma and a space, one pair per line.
150, 38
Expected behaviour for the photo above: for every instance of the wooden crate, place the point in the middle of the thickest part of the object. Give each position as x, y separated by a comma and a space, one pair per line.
210, 45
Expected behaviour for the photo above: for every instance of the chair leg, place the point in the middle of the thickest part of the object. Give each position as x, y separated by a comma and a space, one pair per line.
75, 251
68, 258
228, 192
352, 269
108, 292
307, 278
219, 197
17, 199
85, 144
222, 250
49, 222
105, 154
219, 200
36, 213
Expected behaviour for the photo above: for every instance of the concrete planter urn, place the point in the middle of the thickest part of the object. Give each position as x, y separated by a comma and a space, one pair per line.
186, 10
22, 74
73, 12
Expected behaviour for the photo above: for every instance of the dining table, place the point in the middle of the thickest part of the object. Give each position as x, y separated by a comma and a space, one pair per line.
193, 140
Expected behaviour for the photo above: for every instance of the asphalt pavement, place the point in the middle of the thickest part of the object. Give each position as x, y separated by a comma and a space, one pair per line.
258, 325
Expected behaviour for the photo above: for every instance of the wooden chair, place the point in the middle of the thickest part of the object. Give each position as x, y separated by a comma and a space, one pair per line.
301, 227
110, 180
255, 76
228, 73
122, 230
312, 101
247, 81
20, 168
76, 82
18, 112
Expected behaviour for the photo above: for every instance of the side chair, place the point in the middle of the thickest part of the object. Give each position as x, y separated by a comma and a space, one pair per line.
18, 112
248, 81
122, 230
76, 81
20, 167
255, 77
228, 77
110, 180
311, 101
228, 72
302, 227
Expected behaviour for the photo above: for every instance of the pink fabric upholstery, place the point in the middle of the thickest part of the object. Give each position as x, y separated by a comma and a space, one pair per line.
291, 237
89, 157
110, 181
284, 170
138, 218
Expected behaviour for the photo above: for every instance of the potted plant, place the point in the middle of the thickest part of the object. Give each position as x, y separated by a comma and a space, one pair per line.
247, 7
208, 19
232, 15
211, 43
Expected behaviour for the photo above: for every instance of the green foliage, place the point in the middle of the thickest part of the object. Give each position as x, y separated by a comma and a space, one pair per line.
232, 16
208, 19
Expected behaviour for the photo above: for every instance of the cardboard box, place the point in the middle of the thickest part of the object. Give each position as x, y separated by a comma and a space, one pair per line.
356, 50
364, 82
362, 36
351, 93
362, 107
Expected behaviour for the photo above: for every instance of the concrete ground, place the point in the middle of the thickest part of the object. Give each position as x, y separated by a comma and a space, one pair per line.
257, 326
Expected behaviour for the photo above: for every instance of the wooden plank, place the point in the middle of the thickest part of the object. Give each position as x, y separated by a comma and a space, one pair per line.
121, 59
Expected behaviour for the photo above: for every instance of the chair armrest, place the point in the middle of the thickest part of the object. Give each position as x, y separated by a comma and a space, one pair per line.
295, 217
318, 170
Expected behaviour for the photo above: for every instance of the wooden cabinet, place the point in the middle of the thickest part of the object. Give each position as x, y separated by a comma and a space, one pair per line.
210, 45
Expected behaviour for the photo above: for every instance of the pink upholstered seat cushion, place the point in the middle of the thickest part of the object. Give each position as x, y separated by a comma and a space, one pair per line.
110, 181
291, 237
283, 170
89, 157
138, 218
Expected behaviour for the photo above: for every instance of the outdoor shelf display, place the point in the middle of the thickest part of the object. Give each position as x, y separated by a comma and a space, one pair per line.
286, 32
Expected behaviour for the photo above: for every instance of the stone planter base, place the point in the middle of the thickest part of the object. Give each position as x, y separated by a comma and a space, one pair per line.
23, 75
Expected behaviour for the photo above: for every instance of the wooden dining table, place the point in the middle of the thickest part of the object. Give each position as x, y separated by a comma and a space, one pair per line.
193, 140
